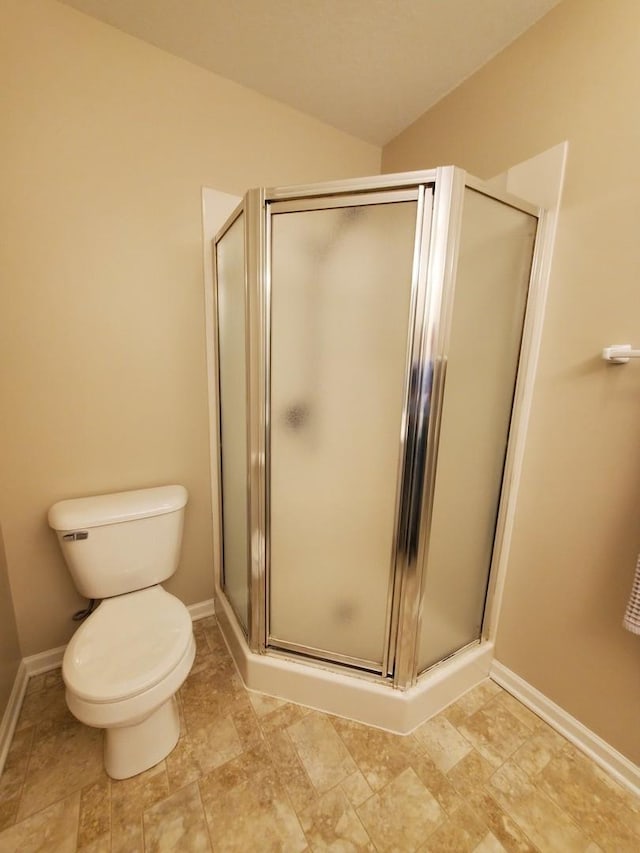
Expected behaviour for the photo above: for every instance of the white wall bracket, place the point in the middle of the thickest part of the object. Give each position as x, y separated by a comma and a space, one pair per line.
619, 353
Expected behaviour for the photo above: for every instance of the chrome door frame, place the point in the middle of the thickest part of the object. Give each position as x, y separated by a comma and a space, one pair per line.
438, 267
323, 197
231, 220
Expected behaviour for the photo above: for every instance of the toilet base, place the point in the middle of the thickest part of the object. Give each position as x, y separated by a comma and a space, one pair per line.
129, 750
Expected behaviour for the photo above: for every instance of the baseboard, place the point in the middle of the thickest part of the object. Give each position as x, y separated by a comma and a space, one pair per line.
613, 762
12, 712
44, 661
201, 610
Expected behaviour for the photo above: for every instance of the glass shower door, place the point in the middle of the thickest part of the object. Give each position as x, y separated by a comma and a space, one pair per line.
342, 279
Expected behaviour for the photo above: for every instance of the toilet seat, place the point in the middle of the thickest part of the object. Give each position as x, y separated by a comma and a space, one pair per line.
128, 646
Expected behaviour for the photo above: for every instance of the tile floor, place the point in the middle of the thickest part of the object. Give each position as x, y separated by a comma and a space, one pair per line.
252, 773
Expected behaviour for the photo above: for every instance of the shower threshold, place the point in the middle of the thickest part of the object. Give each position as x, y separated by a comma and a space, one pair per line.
353, 694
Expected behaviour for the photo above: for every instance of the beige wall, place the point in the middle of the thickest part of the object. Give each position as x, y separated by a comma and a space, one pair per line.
9, 647
106, 144
573, 76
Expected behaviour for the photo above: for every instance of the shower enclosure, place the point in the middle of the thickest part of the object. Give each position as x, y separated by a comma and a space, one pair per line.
368, 340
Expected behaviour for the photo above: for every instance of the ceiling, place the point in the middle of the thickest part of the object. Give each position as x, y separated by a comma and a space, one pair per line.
368, 67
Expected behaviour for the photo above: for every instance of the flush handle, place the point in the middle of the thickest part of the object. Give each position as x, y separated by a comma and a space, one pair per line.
75, 536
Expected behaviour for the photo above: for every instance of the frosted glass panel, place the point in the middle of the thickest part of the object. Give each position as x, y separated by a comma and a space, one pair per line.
233, 417
490, 298
341, 282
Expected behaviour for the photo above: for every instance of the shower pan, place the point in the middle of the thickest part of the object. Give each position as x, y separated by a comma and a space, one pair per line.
368, 339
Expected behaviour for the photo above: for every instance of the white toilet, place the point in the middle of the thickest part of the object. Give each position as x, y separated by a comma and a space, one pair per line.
126, 661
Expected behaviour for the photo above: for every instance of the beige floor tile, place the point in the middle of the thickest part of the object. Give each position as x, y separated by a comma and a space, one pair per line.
241, 769
437, 784
543, 821
100, 845
458, 834
401, 816
505, 830
15, 765
322, 752
515, 707
204, 656
214, 637
36, 683
8, 810
536, 752
264, 705
290, 770
332, 824
471, 701
246, 723
443, 742
13, 775
177, 823
470, 774
183, 766
95, 812
380, 756
52, 830
45, 705
198, 753
282, 717
210, 694
495, 733
593, 800
489, 844
65, 757
129, 799
54, 679
356, 788
251, 813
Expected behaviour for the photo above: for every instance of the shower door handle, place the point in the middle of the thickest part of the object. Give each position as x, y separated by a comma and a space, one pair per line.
417, 434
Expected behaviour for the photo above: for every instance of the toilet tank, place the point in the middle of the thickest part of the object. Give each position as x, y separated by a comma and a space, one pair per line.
121, 542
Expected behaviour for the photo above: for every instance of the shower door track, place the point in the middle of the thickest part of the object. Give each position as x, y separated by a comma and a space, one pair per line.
324, 655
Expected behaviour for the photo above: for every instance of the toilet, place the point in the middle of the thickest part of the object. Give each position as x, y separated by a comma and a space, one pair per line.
125, 663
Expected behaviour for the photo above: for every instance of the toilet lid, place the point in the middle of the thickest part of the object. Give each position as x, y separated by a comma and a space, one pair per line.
129, 644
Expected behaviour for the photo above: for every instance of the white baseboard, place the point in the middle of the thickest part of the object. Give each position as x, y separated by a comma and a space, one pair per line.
12, 712
201, 610
613, 762
44, 661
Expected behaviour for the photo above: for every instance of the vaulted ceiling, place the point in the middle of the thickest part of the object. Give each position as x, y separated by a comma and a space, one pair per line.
368, 67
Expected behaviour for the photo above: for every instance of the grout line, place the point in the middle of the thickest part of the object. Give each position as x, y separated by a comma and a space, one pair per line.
204, 814
23, 784
78, 820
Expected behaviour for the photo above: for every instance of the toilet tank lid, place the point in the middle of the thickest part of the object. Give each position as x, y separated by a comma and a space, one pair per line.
99, 510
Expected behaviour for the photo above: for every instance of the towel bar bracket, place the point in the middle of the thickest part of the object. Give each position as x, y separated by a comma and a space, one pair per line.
619, 353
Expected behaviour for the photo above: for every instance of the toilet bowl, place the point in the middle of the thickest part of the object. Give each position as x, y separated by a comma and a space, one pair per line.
125, 663
121, 671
